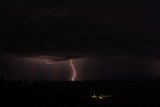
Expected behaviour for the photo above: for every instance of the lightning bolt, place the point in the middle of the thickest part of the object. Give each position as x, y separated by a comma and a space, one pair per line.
73, 69
47, 61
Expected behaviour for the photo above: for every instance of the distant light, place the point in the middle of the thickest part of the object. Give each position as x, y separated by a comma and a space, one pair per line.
101, 96
94, 96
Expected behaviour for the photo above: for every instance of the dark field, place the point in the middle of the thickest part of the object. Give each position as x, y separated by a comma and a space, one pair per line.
57, 94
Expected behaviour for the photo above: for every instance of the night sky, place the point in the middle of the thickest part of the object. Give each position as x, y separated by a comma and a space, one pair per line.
14, 67
107, 41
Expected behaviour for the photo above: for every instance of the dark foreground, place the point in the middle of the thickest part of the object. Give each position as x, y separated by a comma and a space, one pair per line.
58, 94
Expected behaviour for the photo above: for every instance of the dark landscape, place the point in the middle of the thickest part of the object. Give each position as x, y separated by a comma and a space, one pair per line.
50, 94
59, 53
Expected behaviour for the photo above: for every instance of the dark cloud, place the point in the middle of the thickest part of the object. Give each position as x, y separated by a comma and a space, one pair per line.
32, 68
119, 68
79, 29
95, 68
75, 27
